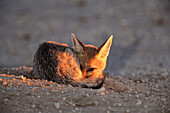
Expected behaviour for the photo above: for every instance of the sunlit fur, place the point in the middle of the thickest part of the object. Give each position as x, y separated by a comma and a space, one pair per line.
89, 59
81, 66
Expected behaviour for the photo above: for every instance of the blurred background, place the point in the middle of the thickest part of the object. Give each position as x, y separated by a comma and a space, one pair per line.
141, 29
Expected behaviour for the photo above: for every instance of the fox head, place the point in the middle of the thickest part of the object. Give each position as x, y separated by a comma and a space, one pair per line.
92, 61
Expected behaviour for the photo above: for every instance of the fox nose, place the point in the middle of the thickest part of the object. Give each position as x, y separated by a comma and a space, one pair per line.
84, 73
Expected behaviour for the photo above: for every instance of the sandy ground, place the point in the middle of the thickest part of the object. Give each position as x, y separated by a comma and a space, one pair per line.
132, 93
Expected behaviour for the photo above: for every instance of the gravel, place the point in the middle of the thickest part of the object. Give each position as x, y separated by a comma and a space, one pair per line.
143, 93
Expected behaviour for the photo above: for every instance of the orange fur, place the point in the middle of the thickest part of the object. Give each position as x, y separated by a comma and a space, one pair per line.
83, 65
92, 59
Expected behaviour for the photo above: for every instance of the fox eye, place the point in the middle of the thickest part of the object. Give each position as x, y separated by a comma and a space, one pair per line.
91, 69
88, 76
81, 67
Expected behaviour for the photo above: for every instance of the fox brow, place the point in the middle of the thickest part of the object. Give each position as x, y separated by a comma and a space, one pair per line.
91, 50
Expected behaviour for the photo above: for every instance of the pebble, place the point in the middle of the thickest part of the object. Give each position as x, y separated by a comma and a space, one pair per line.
127, 110
164, 74
96, 103
87, 95
130, 95
38, 96
76, 109
64, 98
145, 106
139, 102
103, 99
57, 105
143, 81
6, 99
131, 81
163, 99
137, 96
101, 89
164, 70
109, 107
146, 80
108, 111
130, 89
119, 104
137, 82
72, 104
33, 106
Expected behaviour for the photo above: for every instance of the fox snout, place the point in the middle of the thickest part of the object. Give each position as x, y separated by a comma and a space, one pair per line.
95, 83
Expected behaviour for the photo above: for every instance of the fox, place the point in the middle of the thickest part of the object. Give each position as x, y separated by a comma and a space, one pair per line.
81, 65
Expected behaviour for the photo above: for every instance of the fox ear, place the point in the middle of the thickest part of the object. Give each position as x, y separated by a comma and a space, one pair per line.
105, 47
78, 46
